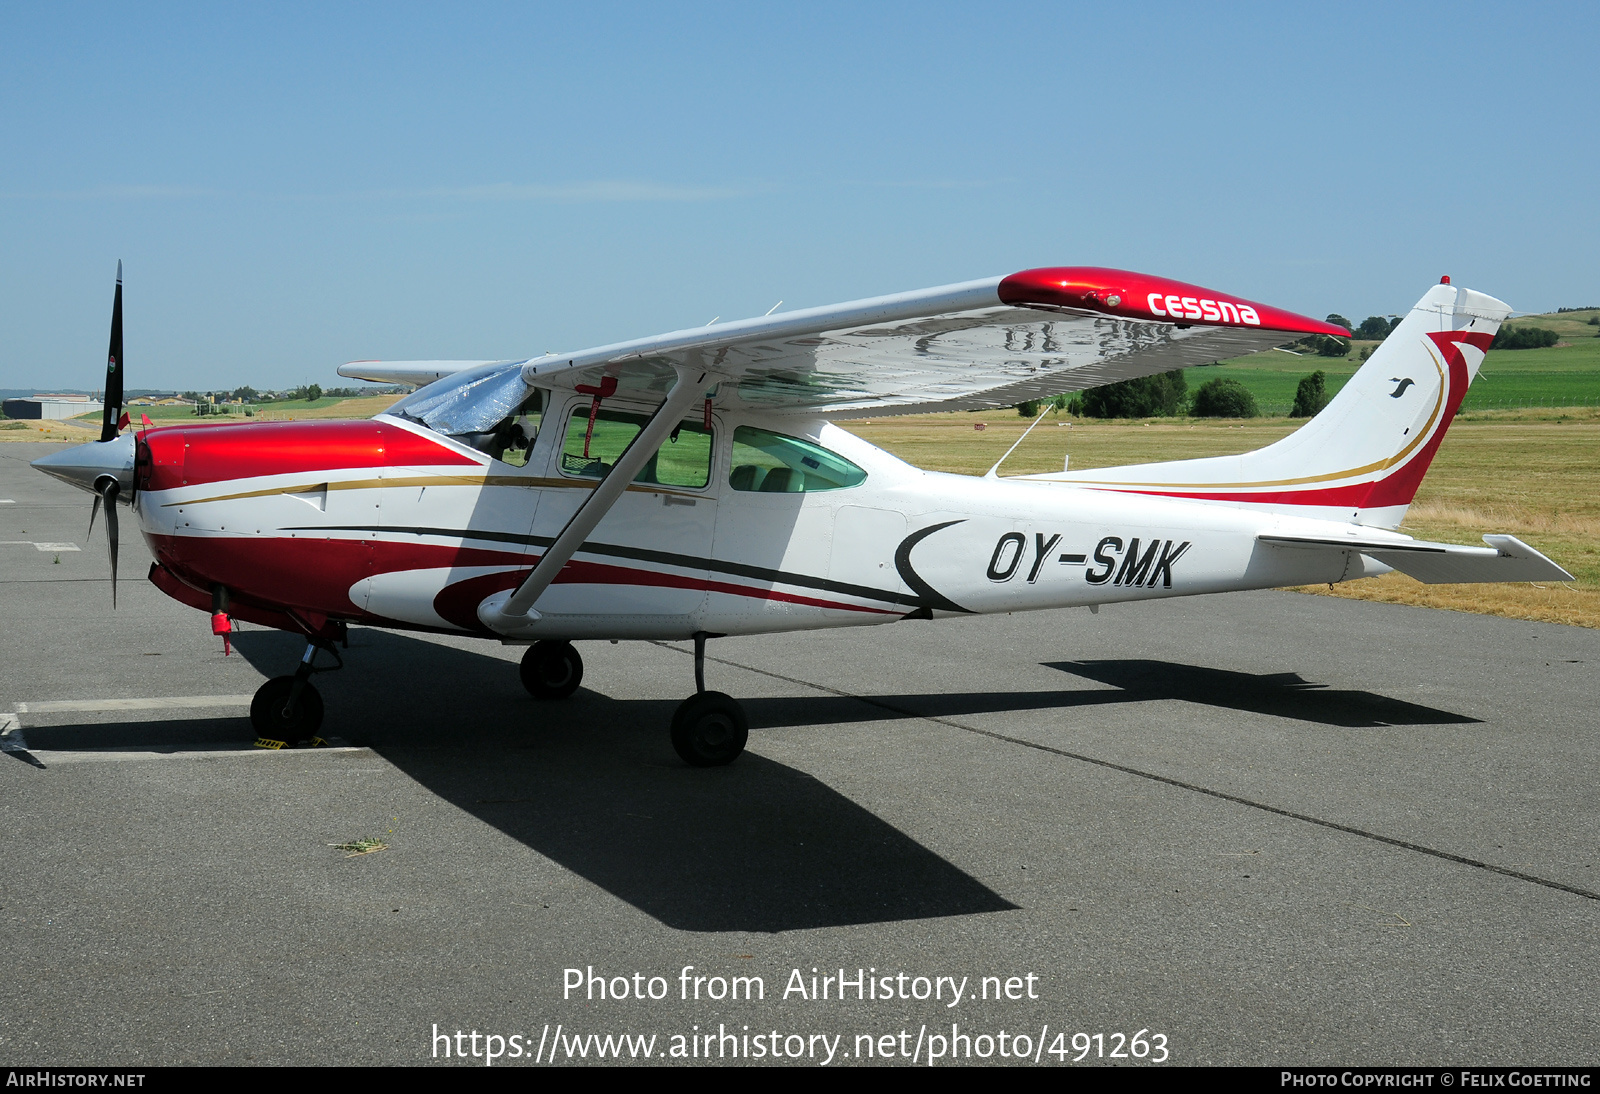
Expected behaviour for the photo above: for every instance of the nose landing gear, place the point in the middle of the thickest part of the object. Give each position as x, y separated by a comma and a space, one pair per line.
287, 711
709, 728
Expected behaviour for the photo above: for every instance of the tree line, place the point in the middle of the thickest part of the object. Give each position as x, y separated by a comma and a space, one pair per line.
1166, 395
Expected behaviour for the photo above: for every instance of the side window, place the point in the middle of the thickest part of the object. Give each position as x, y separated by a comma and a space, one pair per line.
684, 459
771, 463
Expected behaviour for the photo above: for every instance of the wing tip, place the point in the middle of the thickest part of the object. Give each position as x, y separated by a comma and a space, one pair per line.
1125, 294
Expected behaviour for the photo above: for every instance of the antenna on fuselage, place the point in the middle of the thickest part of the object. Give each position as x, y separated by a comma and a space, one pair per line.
991, 474
772, 309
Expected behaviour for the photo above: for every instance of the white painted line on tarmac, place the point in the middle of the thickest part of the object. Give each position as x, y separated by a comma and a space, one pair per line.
11, 739
39, 546
140, 752
7, 501
170, 702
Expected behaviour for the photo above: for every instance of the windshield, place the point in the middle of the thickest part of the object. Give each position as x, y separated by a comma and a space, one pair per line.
474, 400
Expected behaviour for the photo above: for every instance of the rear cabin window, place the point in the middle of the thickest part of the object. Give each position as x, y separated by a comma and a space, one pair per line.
771, 463
684, 458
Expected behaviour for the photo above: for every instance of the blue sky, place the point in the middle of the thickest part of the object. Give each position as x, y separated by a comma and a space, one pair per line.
292, 187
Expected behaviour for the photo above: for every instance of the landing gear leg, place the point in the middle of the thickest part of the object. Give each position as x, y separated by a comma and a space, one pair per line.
287, 710
708, 728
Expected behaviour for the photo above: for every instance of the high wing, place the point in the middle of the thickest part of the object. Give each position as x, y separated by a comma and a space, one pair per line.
418, 373
971, 346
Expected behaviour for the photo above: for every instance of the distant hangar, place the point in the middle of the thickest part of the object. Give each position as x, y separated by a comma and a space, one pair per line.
51, 406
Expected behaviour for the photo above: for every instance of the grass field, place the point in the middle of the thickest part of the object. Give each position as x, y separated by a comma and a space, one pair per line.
289, 408
1561, 376
1533, 474
87, 426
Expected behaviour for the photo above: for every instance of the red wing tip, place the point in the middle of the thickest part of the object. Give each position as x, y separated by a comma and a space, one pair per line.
1132, 295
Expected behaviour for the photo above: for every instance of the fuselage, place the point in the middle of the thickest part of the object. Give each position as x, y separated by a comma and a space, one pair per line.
387, 523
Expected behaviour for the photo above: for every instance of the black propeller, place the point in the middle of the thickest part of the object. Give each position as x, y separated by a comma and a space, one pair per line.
107, 488
111, 417
105, 467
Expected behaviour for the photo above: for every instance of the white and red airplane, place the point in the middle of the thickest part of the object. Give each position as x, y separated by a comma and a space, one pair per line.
692, 485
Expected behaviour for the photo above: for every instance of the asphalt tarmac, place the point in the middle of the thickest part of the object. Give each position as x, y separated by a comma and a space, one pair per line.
1262, 829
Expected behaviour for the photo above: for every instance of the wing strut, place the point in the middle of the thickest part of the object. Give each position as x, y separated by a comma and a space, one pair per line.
505, 612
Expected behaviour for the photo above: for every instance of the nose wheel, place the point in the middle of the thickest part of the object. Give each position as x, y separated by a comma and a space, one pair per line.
709, 729
287, 711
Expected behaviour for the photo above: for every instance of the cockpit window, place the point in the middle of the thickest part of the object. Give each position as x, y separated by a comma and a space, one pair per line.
771, 463
472, 401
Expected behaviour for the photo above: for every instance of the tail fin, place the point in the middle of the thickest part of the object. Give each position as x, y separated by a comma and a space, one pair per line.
1362, 458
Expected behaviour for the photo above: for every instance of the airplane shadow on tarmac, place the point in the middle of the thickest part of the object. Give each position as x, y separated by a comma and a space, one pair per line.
1281, 694
593, 784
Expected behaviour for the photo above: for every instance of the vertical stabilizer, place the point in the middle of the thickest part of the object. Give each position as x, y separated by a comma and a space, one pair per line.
1362, 458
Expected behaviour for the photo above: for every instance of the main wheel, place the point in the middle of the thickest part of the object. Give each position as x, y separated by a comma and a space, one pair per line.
709, 729
551, 670
277, 724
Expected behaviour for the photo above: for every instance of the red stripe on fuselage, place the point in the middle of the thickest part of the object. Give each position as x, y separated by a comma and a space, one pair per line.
601, 573
310, 573
313, 574
458, 603
1345, 497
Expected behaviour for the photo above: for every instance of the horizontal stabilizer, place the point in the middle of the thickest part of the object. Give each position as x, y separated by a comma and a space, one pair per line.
416, 373
1506, 558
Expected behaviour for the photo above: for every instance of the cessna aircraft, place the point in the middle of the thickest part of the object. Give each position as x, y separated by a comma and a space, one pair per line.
693, 486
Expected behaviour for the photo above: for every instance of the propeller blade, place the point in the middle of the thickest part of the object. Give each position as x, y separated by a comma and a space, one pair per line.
111, 491
94, 512
112, 414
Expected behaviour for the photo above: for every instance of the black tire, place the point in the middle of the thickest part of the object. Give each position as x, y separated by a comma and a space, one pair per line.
551, 670
709, 729
273, 721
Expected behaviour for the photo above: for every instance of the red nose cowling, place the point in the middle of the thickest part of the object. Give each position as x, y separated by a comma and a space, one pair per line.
294, 578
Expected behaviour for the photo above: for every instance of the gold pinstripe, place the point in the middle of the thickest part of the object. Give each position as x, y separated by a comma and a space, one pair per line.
432, 480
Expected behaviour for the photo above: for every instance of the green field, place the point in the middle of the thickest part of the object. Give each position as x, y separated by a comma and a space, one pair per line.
285, 408
1561, 376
